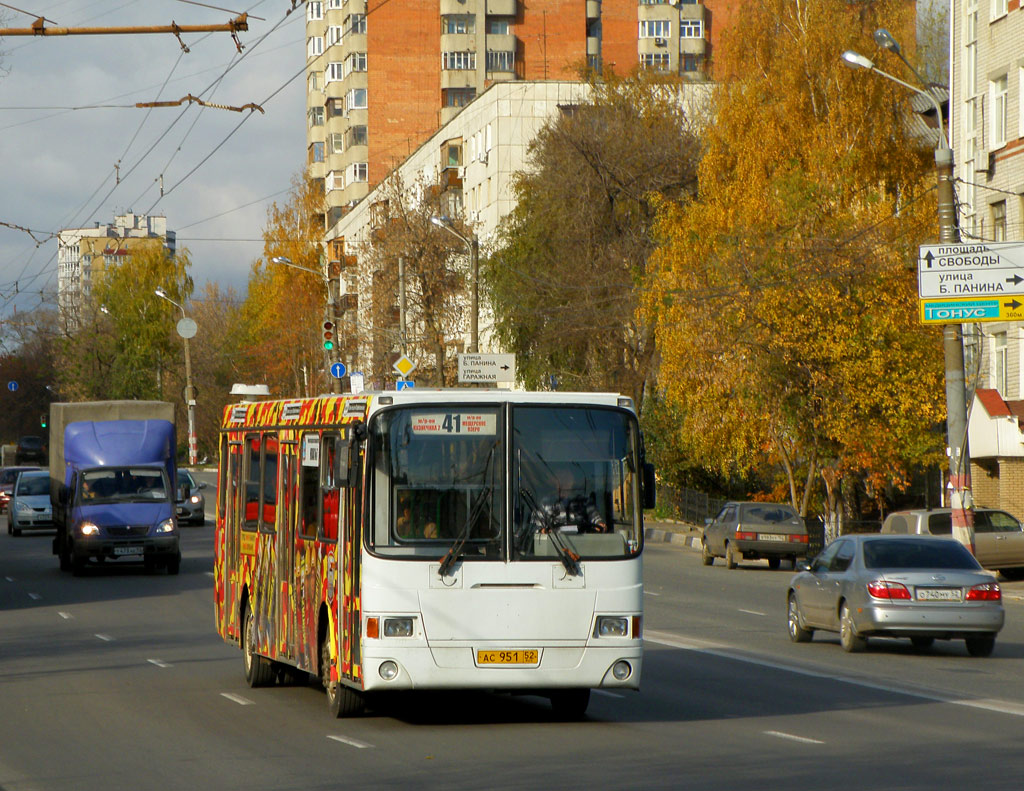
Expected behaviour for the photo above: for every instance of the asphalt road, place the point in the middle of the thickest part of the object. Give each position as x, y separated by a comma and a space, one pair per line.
119, 680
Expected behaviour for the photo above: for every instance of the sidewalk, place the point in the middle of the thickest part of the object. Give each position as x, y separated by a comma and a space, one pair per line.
668, 531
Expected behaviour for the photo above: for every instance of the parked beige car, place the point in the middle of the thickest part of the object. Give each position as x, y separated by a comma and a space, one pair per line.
998, 536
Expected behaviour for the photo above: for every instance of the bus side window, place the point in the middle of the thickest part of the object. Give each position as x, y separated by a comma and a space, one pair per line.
268, 493
329, 492
251, 501
309, 486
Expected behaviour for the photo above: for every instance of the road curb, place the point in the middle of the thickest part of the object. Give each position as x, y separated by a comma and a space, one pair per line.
659, 535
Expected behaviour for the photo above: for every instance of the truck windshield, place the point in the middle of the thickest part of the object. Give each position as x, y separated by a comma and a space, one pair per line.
122, 484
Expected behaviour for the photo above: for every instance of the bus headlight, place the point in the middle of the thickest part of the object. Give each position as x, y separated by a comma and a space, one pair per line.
622, 670
611, 626
388, 670
88, 529
398, 627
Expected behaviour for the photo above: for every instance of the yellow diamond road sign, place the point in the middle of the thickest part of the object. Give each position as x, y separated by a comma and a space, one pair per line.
404, 366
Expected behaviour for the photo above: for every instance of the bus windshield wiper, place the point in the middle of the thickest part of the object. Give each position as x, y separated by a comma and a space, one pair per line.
455, 551
569, 558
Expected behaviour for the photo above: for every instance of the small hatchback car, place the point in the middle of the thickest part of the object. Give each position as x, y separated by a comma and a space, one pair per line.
753, 531
191, 505
30, 508
31, 449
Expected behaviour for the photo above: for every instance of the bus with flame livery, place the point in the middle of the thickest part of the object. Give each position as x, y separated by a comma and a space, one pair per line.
445, 539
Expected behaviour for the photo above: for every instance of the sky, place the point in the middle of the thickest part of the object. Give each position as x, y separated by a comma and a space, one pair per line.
67, 118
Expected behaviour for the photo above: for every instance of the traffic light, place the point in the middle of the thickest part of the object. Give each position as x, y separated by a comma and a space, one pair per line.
328, 335
42, 421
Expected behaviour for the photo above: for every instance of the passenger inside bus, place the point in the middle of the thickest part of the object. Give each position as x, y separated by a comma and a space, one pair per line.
413, 525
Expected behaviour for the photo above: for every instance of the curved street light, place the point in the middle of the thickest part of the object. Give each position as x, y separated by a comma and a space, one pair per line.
953, 348
190, 393
473, 245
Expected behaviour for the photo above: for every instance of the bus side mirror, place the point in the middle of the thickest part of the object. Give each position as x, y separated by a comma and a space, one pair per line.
650, 493
345, 465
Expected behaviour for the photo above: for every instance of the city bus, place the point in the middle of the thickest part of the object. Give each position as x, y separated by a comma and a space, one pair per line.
434, 539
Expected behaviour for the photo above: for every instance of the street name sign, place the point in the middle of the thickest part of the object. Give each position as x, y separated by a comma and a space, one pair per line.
974, 269
483, 368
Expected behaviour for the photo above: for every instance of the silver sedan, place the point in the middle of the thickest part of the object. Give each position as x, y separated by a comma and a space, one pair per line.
916, 587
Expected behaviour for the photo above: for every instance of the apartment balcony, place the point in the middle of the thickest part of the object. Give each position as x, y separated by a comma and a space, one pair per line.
459, 78
693, 46
499, 7
593, 9
593, 45
691, 10
457, 7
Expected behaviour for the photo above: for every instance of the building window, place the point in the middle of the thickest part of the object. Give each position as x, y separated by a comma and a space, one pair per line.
999, 362
594, 62
655, 28
654, 2
316, 116
1020, 101
314, 81
458, 97
314, 46
691, 28
458, 60
335, 35
358, 171
692, 63
355, 23
333, 5
999, 9
499, 27
336, 140
999, 221
356, 99
317, 152
334, 72
500, 61
335, 108
997, 91
355, 136
657, 61
452, 24
314, 10
355, 62
335, 181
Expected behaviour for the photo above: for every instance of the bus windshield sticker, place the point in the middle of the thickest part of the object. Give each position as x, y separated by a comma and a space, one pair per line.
310, 450
443, 424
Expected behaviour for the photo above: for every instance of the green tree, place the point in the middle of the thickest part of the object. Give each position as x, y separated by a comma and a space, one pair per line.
784, 294
563, 279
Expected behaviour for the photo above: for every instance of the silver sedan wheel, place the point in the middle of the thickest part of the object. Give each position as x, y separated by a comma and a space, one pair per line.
848, 637
797, 633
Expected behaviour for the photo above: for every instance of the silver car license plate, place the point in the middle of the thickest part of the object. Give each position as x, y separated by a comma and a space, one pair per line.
940, 594
770, 537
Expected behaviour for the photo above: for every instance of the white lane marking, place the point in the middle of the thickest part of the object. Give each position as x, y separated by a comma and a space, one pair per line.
728, 652
651, 593
753, 612
9, 579
237, 699
608, 694
158, 663
106, 638
350, 742
65, 615
35, 596
792, 737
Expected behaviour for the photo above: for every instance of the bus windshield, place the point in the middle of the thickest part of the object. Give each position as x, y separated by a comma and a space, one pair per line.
443, 478
437, 478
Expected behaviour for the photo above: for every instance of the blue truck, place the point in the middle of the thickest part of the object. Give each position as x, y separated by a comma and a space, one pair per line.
113, 484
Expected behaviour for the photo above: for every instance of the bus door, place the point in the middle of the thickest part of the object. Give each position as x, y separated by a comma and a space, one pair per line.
350, 566
285, 547
266, 581
305, 578
229, 496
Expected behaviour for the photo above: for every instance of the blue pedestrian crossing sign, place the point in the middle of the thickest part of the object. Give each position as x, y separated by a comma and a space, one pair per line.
406, 384
338, 370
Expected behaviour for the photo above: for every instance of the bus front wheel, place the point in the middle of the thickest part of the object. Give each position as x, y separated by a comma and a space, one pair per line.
342, 701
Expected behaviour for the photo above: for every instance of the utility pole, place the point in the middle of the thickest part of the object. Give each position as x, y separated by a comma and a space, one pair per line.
236, 25
402, 305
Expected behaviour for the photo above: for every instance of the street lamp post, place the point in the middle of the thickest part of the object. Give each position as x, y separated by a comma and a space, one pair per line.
190, 393
473, 245
953, 349
331, 308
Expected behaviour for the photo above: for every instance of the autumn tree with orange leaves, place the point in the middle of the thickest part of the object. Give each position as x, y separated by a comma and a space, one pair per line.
784, 294
281, 319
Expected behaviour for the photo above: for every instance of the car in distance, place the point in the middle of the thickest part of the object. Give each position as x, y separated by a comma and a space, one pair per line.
8, 475
30, 507
191, 504
917, 587
753, 531
998, 536
31, 449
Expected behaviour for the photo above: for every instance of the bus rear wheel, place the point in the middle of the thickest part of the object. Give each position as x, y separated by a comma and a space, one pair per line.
570, 704
258, 671
342, 701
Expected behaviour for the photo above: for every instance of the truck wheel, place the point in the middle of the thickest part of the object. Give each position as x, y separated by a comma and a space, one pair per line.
258, 671
174, 564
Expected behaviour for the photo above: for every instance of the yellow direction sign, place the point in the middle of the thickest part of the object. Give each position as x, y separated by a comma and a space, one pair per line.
962, 311
404, 366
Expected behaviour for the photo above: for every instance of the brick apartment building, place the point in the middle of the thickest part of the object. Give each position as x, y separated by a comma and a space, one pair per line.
383, 76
